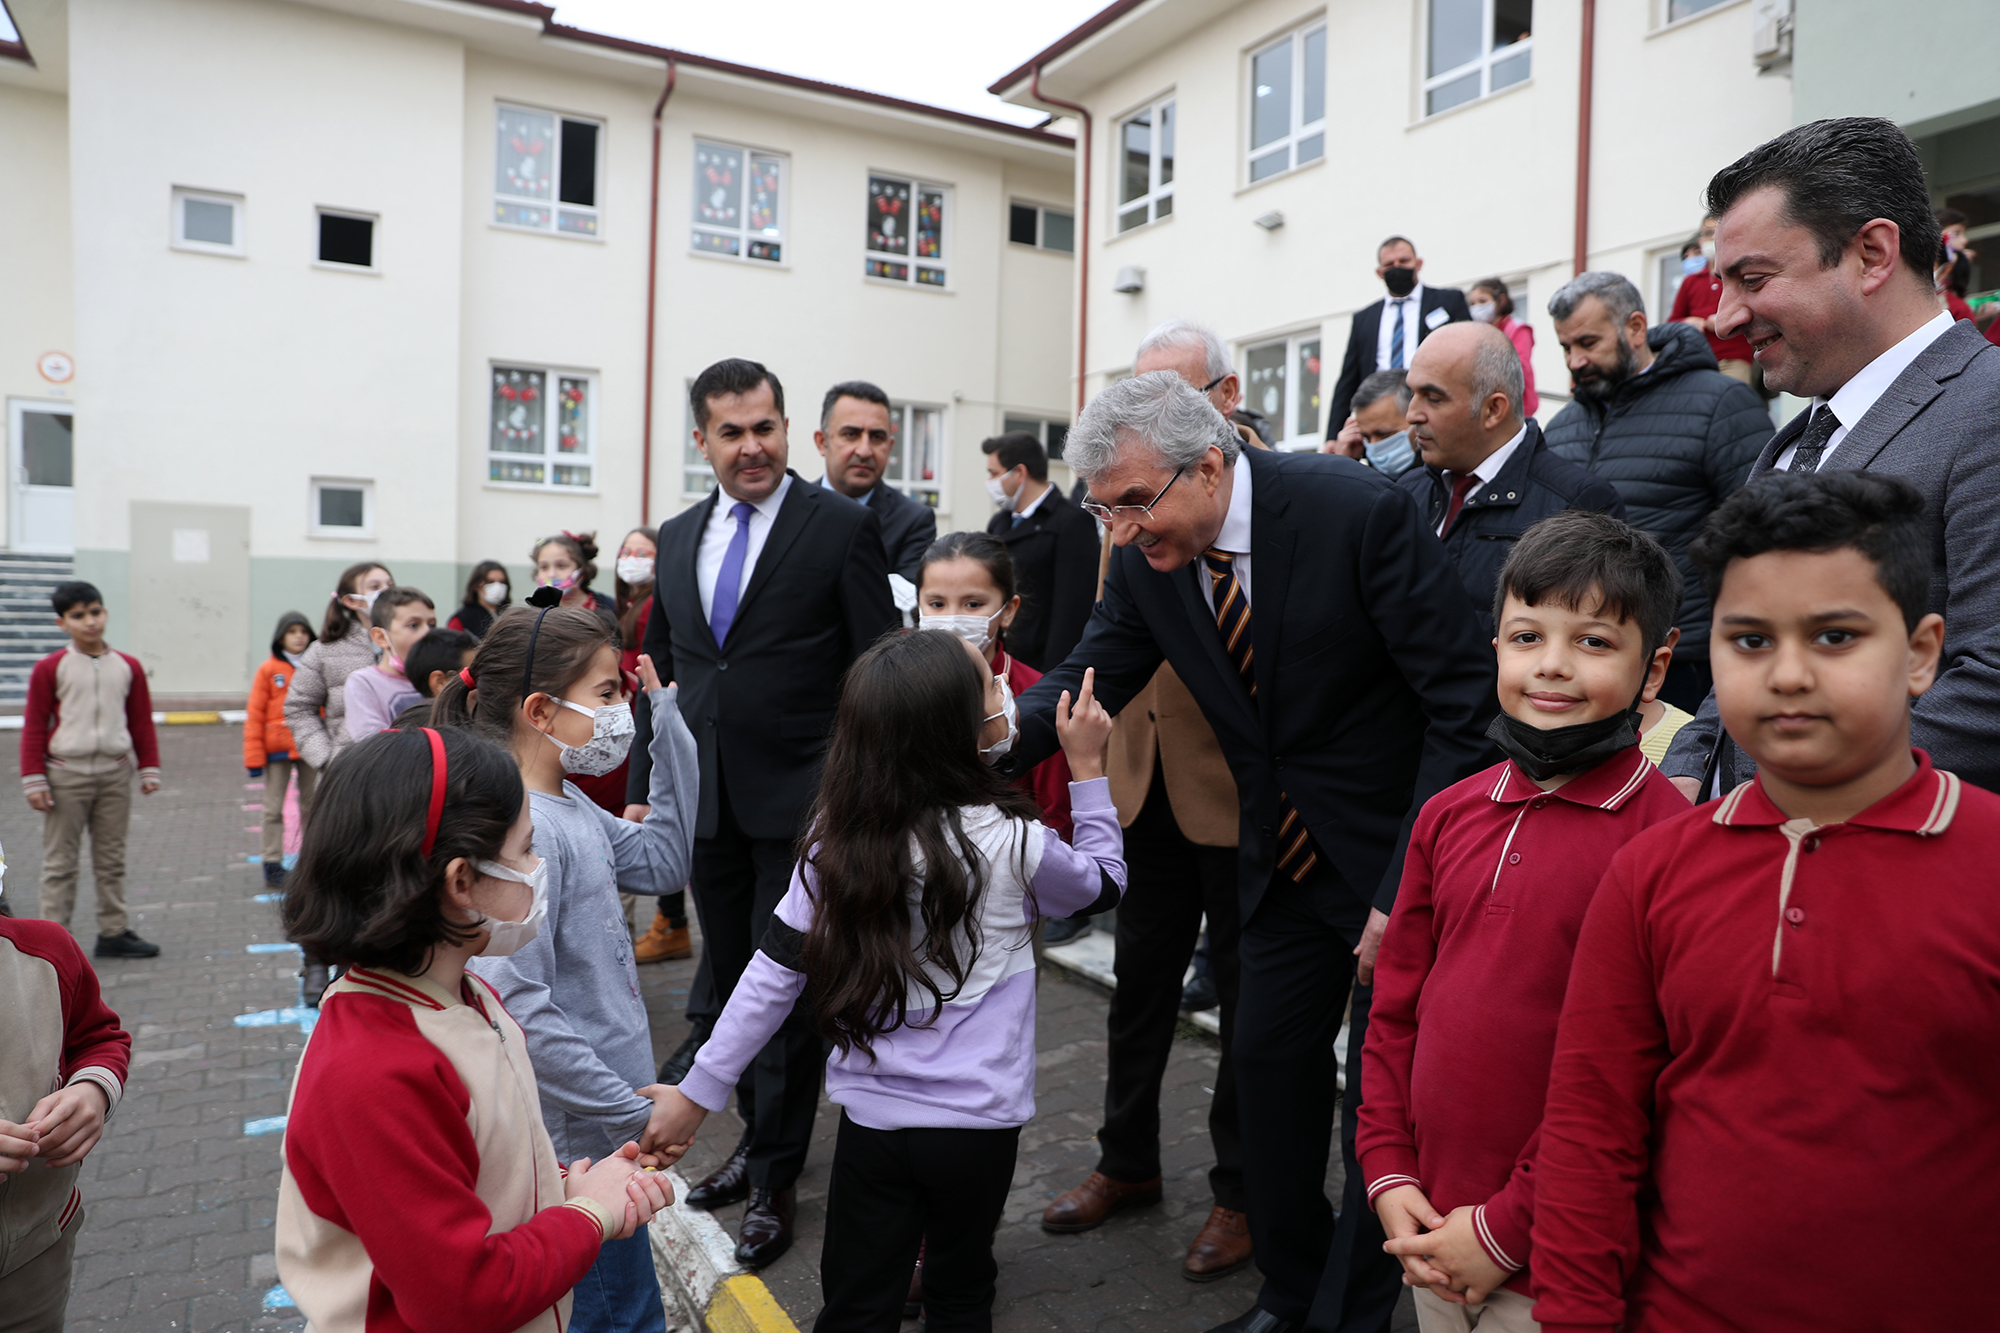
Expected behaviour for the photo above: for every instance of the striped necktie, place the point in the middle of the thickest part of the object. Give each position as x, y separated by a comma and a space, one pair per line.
1296, 857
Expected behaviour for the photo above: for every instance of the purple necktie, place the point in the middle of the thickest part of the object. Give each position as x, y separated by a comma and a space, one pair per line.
729, 583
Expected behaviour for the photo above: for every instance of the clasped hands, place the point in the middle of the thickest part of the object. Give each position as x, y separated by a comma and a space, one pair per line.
1440, 1253
63, 1127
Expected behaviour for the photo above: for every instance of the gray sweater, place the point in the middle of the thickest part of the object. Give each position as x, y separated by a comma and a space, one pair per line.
320, 681
575, 988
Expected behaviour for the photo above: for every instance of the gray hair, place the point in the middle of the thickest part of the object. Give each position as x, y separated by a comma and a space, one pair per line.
1620, 297
1166, 414
1179, 335
1379, 386
1496, 368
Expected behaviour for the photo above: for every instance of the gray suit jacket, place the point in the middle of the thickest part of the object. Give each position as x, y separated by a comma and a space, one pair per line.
1935, 427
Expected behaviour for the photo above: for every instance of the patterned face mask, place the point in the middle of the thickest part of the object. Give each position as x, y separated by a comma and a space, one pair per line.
610, 740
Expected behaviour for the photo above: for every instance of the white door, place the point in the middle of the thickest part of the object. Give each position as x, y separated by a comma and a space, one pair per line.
41, 457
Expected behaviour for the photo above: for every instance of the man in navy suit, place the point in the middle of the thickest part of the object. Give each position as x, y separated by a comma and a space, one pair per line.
856, 437
1375, 343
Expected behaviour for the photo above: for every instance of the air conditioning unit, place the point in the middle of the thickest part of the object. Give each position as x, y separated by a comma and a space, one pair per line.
1770, 33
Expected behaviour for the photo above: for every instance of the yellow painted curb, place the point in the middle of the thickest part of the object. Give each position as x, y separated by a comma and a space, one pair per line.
191, 719
743, 1304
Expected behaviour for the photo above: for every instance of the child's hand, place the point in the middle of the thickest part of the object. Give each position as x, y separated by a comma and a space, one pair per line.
1455, 1248
671, 1127
70, 1121
649, 678
19, 1145
1405, 1212
43, 801
605, 1181
1084, 730
148, 786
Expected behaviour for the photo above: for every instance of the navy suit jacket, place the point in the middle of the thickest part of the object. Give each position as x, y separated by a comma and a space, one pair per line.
1359, 362
909, 527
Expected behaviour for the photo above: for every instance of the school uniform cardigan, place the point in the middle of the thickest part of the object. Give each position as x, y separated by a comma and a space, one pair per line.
1773, 1099
1469, 984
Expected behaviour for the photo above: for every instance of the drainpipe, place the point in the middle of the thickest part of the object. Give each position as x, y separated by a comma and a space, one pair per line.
1585, 75
1082, 240
652, 288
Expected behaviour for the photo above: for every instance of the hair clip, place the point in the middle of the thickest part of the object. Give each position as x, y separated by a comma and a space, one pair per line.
545, 597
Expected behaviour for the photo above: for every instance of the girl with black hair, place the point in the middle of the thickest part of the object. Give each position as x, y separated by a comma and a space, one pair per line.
908, 929
413, 1127
546, 684
486, 596
567, 562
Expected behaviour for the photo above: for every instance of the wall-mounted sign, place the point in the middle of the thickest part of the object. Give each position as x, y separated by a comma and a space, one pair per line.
56, 367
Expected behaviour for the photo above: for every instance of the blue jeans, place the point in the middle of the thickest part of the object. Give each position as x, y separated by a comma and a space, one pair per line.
621, 1292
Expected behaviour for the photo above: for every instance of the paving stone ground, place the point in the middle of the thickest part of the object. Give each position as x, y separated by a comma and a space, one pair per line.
179, 1196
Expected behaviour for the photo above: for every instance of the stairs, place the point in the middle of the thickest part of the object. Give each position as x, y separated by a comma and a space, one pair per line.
28, 630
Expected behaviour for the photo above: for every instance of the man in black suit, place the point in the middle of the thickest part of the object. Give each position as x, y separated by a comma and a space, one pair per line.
1054, 545
856, 437
764, 594
1329, 642
1375, 343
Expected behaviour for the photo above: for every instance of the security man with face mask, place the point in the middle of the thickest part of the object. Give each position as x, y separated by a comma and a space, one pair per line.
1053, 544
1384, 336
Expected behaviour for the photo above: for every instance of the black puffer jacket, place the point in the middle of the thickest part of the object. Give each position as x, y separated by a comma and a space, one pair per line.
1674, 441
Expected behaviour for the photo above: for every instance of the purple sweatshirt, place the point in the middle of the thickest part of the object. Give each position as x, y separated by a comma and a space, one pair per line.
374, 697
974, 1067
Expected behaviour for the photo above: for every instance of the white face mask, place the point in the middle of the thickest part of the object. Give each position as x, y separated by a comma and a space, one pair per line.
367, 599
635, 568
610, 740
994, 752
493, 593
1484, 311
975, 630
505, 937
997, 488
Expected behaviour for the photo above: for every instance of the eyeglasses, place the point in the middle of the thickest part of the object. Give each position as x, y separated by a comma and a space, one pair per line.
1217, 380
1109, 514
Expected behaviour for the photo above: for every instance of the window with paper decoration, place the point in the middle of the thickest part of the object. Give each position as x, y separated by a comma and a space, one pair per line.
738, 203
545, 172
540, 439
907, 240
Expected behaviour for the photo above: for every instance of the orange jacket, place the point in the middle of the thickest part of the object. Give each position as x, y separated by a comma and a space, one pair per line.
264, 730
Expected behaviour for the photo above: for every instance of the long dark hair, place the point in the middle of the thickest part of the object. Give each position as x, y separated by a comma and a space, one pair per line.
364, 892
632, 596
903, 764
478, 581
340, 619
569, 637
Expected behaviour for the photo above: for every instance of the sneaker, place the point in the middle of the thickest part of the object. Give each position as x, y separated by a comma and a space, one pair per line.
313, 984
663, 941
274, 873
126, 945
1064, 929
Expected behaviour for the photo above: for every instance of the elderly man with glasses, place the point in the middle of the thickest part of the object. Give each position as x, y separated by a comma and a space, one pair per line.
1318, 624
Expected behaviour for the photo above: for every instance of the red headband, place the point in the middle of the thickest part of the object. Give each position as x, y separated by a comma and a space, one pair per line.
437, 790
465, 674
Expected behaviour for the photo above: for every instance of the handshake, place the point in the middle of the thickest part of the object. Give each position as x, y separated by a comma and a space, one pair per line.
670, 1129
627, 1179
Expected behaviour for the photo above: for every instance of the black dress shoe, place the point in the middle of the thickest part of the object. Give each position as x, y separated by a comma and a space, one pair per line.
1199, 994
126, 944
767, 1227
1064, 929
682, 1060
728, 1183
1256, 1320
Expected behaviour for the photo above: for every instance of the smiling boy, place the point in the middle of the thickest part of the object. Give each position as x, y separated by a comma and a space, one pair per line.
1469, 984
1773, 1094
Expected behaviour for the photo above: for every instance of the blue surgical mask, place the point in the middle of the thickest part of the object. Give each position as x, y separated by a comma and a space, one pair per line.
1694, 264
1392, 455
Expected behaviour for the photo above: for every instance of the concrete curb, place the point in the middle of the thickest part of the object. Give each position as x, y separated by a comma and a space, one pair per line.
705, 1290
194, 718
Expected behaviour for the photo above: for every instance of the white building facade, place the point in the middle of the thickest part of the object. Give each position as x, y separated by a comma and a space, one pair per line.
298, 284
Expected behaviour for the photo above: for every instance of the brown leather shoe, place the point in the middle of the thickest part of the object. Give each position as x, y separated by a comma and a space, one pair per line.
767, 1227
661, 942
1094, 1200
1220, 1248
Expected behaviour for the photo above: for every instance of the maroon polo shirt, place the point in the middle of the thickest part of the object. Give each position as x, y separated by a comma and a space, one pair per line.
1469, 984
1777, 1079
1699, 297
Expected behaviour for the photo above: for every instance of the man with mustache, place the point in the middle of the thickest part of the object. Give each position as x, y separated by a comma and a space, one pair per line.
1655, 418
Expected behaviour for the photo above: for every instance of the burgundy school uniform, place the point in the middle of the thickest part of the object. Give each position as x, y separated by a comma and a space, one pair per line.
1775, 1084
1470, 981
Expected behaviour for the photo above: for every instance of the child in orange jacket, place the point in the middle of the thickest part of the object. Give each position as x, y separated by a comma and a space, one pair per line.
268, 750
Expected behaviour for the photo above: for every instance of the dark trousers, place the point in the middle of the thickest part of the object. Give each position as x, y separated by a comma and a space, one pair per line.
1296, 955
1688, 682
1171, 883
893, 1189
738, 882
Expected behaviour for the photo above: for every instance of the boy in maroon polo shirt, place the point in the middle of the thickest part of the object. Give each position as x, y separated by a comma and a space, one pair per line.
1774, 1091
1470, 981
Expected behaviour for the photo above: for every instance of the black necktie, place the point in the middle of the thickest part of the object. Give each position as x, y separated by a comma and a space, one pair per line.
1296, 856
1812, 444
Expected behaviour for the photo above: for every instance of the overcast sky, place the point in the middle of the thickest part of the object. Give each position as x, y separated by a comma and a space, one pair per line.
944, 52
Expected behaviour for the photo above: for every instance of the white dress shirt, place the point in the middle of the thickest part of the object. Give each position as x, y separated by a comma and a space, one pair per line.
1234, 537
715, 542
1489, 469
1021, 515
1868, 385
1410, 307
826, 484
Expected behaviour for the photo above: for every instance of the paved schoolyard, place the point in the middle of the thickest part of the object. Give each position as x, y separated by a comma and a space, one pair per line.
179, 1195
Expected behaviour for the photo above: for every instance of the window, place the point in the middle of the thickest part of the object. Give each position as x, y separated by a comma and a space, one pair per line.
1477, 47
538, 437
1288, 103
1052, 434
1043, 228
347, 239
208, 223
906, 222
738, 196
916, 453
1145, 168
1685, 9
1281, 381
545, 172
342, 507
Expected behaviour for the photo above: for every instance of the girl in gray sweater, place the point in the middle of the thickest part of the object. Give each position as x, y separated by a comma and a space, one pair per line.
342, 649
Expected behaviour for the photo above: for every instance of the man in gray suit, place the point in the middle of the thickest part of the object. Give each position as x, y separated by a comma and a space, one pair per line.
1825, 247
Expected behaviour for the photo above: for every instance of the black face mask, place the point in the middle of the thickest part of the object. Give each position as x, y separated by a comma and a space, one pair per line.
1400, 281
1546, 754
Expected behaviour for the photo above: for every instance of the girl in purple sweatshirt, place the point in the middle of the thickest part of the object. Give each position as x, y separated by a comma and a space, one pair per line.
909, 930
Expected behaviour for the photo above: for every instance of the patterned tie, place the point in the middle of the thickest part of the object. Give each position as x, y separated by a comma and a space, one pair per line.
729, 582
1396, 332
1459, 489
1296, 856
1812, 444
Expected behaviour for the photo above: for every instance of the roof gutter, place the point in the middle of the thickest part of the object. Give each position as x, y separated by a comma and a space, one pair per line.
1083, 236
652, 291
